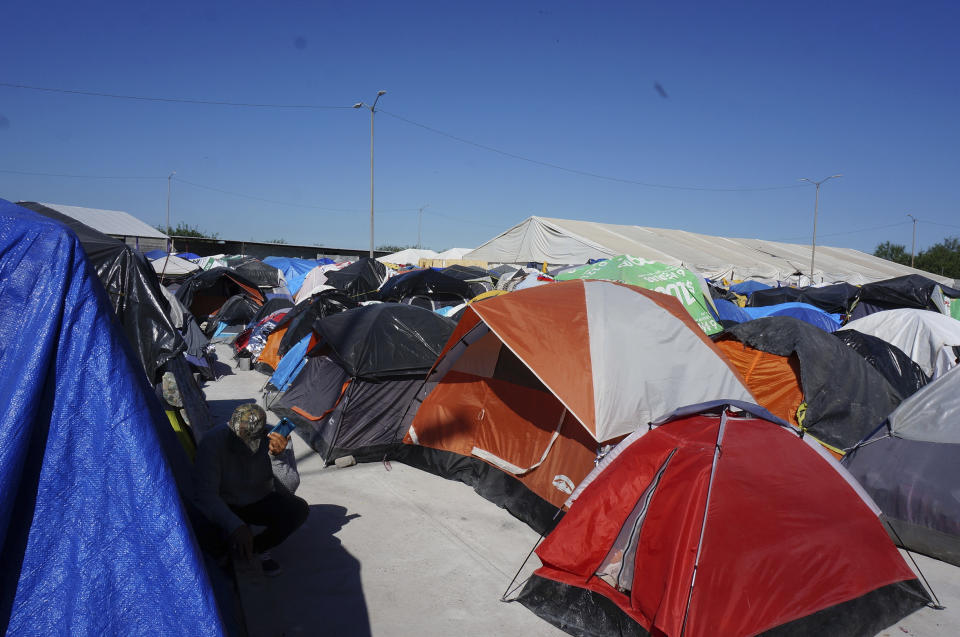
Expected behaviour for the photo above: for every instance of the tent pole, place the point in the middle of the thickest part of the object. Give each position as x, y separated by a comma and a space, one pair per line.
703, 522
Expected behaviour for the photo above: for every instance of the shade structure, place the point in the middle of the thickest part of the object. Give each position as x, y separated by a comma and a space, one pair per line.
532, 383
930, 339
652, 275
699, 527
910, 468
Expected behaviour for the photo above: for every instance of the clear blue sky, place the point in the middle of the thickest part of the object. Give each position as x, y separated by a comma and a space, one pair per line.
755, 94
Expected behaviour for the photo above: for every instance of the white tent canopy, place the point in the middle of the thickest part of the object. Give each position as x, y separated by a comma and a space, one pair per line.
565, 241
173, 266
410, 256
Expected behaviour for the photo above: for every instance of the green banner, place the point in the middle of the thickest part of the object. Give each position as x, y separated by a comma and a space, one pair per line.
674, 280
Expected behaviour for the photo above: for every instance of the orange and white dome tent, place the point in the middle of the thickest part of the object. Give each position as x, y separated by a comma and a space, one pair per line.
532, 383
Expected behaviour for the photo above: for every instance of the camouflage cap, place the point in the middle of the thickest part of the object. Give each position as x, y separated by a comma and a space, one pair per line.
171, 393
248, 422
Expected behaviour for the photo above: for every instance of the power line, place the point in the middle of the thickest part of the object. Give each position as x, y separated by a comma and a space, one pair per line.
581, 172
935, 223
173, 100
34, 174
835, 234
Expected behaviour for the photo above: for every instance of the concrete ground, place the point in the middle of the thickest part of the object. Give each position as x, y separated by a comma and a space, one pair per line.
392, 550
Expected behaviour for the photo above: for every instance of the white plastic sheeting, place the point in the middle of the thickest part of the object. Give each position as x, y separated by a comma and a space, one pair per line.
565, 241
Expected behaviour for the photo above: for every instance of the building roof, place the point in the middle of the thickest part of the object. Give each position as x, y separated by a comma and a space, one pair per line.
567, 241
112, 222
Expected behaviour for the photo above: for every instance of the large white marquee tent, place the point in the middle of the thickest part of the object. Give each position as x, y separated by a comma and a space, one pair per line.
566, 241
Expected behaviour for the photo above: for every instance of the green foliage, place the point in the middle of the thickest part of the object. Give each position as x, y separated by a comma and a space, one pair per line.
942, 258
393, 248
186, 230
279, 241
892, 252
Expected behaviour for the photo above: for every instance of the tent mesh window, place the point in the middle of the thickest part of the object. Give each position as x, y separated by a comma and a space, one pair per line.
617, 567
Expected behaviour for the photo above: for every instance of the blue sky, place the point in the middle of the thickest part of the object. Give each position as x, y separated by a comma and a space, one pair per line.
755, 95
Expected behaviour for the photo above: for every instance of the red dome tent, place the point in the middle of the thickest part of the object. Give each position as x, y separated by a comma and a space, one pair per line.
721, 524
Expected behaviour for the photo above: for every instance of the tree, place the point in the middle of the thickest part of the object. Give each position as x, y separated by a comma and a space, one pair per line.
280, 241
942, 258
393, 248
892, 252
186, 230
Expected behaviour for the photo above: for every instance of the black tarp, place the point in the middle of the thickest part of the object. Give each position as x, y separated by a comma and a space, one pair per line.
258, 272
359, 280
899, 370
205, 292
429, 283
846, 397
239, 309
134, 293
271, 306
385, 339
910, 291
299, 321
838, 298
717, 292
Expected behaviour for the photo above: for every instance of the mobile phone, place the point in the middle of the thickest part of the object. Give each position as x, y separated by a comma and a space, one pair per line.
285, 427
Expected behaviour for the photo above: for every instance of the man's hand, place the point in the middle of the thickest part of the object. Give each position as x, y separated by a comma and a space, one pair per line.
241, 543
277, 443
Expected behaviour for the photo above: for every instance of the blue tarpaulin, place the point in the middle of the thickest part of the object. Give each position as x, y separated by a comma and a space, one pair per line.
94, 538
803, 311
294, 270
746, 288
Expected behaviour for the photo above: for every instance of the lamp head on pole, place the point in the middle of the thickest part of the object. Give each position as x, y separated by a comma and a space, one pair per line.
358, 105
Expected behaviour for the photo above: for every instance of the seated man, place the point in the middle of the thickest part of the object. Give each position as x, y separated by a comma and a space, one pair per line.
235, 487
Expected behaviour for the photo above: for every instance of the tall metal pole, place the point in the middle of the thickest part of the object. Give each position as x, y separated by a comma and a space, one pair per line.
913, 245
371, 179
816, 203
169, 240
373, 110
813, 242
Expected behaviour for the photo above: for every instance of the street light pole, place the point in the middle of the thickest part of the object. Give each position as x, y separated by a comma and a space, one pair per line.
913, 246
816, 203
373, 110
169, 240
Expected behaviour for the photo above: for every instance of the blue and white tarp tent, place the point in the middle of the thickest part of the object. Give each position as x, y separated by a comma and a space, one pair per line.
94, 538
294, 270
